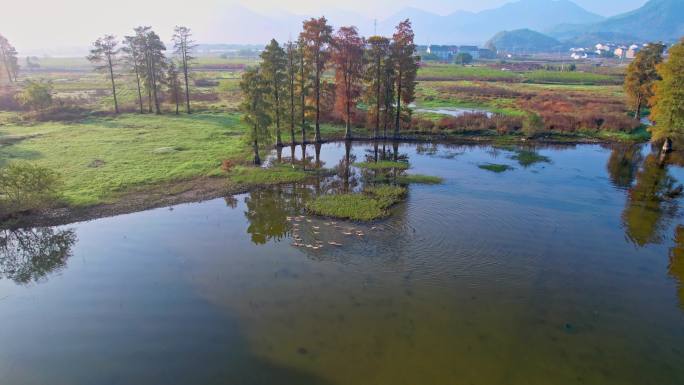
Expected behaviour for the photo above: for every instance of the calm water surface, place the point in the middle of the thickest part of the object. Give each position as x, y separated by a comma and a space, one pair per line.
567, 270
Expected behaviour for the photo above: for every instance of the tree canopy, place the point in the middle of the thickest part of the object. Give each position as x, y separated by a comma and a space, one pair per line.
668, 98
641, 76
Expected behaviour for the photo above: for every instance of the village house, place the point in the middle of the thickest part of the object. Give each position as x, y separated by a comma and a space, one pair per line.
470, 49
442, 52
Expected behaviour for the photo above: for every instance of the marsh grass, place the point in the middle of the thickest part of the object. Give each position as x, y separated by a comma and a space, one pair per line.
527, 158
497, 168
382, 165
373, 203
419, 179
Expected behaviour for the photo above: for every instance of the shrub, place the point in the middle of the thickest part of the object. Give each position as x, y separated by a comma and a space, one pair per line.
36, 95
8, 100
532, 125
508, 124
423, 124
227, 165
25, 187
618, 122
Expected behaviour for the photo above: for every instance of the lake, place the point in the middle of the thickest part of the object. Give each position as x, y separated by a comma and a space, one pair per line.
567, 268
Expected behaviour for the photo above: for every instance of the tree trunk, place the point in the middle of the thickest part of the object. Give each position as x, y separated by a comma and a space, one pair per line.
279, 140
187, 85
397, 120
347, 128
303, 156
377, 101
292, 107
137, 81
347, 152
317, 137
111, 75
257, 160
157, 110
302, 85
637, 113
667, 146
5, 60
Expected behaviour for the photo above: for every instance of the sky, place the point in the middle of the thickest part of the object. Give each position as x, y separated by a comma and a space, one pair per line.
60, 25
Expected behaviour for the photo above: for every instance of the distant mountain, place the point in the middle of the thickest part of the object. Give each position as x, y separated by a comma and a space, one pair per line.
475, 28
590, 39
657, 20
524, 41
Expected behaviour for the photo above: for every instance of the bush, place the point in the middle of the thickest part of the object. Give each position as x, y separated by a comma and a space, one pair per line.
508, 124
26, 187
532, 125
8, 100
36, 95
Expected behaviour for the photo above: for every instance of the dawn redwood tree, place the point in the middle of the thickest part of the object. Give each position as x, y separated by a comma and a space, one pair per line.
377, 57
273, 71
291, 69
8, 59
255, 107
173, 84
642, 75
104, 54
183, 47
406, 67
304, 84
668, 99
133, 57
388, 93
347, 58
317, 36
155, 64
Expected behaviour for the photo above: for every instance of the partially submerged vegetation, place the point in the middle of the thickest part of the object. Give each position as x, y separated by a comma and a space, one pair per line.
373, 203
419, 179
528, 158
383, 165
494, 167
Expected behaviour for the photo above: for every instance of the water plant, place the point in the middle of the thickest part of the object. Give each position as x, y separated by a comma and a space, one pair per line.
372, 203
382, 165
497, 168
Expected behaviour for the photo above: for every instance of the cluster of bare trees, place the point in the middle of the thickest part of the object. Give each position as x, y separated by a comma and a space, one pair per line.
143, 56
9, 63
288, 86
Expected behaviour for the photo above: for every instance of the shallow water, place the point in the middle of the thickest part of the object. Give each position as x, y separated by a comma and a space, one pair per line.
567, 270
451, 111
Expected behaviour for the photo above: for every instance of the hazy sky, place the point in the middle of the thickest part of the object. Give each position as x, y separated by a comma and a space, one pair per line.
51, 24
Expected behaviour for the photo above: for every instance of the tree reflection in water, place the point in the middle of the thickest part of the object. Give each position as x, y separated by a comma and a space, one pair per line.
623, 164
676, 266
30, 255
268, 209
651, 203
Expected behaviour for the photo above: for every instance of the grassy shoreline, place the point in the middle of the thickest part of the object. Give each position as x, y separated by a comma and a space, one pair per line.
131, 162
